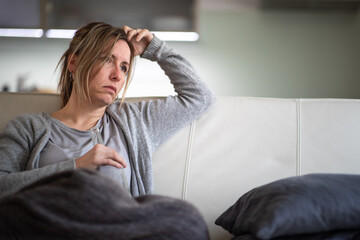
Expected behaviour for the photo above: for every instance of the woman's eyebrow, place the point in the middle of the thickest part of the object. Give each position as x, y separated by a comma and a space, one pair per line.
123, 62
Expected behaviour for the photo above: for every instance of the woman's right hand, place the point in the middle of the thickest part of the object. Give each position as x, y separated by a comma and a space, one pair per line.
100, 155
140, 38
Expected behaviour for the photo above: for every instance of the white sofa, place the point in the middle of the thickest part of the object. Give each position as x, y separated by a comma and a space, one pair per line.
241, 143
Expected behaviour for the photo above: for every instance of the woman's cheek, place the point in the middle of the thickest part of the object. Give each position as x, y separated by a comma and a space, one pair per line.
121, 86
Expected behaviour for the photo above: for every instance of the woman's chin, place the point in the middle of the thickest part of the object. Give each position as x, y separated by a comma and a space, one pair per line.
104, 101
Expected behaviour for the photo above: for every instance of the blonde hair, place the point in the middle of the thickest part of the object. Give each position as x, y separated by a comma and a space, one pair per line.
88, 45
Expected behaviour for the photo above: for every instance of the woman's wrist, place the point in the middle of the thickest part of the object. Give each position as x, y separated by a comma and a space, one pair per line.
152, 49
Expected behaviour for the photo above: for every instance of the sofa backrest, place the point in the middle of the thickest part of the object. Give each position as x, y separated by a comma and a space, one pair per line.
239, 144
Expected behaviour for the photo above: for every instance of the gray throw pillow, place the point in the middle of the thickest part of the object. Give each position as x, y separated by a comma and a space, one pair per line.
297, 205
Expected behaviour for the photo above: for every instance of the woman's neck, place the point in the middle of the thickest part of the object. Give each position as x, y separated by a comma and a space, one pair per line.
79, 116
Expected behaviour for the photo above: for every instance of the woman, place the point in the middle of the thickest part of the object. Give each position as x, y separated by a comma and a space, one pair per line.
94, 131
97, 65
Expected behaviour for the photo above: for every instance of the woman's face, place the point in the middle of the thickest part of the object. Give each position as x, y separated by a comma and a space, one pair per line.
107, 80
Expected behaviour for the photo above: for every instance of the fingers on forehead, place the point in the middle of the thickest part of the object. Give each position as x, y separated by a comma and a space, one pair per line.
126, 28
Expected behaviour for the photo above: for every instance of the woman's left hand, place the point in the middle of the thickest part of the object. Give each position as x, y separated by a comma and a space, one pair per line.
140, 38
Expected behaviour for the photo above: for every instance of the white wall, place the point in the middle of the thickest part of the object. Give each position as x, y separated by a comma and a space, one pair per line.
247, 53
281, 54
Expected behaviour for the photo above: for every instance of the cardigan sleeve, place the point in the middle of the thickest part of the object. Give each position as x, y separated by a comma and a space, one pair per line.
163, 117
20, 145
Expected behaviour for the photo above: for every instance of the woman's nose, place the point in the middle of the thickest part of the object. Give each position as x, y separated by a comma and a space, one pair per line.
117, 74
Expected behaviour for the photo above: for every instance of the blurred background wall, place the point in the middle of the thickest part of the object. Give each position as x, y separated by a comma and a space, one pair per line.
242, 51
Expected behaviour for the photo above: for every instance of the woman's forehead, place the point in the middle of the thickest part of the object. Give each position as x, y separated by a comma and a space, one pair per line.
119, 48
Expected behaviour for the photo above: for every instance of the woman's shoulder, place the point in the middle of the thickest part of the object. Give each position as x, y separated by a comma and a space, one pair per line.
122, 109
117, 106
33, 120
30, 117
135, 105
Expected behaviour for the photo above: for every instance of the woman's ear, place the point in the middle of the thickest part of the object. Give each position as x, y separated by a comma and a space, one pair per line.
72, 62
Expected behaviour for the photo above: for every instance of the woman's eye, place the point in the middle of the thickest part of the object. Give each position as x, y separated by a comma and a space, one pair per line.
124, 69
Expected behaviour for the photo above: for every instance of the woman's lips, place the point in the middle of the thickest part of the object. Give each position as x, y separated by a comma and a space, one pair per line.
112, 88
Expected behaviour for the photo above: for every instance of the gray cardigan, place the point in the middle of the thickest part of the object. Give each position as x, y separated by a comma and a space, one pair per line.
145, 124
